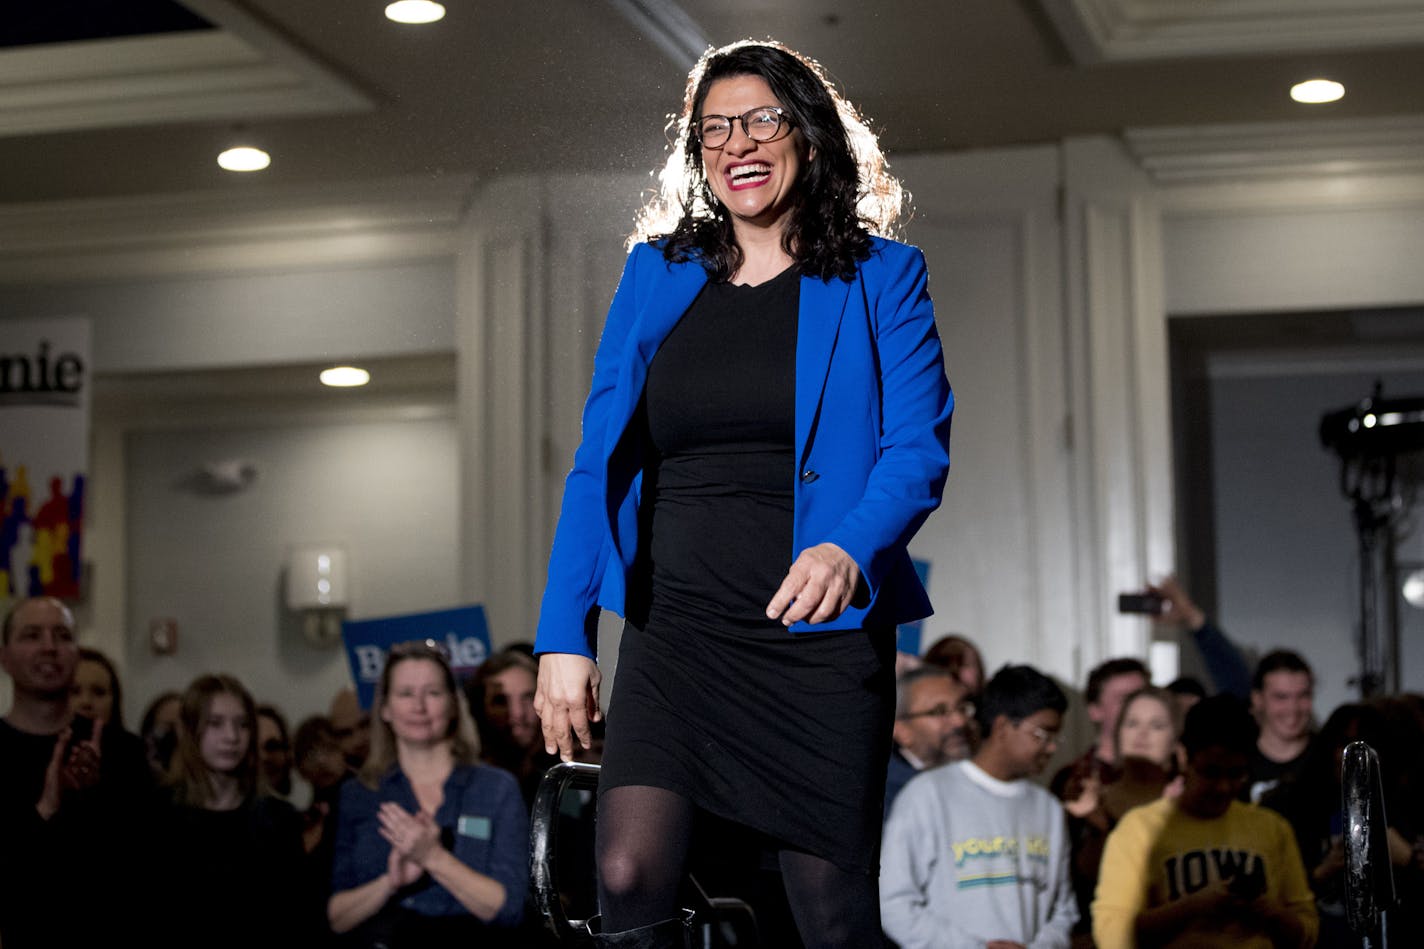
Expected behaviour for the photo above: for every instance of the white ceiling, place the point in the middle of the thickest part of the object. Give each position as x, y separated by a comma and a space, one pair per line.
341, 96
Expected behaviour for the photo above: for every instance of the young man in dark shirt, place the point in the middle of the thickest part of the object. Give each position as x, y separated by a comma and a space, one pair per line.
1282, 698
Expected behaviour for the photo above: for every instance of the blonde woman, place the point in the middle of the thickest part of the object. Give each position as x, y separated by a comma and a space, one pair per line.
1148, 766
431, 846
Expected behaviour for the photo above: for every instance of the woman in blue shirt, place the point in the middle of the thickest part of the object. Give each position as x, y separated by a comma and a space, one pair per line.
431, 847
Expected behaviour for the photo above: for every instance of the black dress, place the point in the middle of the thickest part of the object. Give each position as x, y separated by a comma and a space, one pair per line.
786, 734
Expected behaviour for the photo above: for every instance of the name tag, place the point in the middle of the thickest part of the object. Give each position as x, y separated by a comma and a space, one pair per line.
473, 826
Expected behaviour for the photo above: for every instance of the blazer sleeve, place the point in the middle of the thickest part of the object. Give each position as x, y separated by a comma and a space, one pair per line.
568, 618
908, 478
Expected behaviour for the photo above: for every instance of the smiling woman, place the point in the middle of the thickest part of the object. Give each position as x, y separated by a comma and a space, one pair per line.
431, 846
767, 428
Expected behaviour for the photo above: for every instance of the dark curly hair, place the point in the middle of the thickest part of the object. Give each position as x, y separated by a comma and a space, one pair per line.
844, 195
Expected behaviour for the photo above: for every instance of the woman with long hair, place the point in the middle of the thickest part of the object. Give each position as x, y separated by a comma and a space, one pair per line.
432, 848
96, 694
961, 657
1148, 766
224, 843
158, 730
767, 428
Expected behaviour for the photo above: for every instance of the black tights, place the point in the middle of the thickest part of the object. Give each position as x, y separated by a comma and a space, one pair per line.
644, 834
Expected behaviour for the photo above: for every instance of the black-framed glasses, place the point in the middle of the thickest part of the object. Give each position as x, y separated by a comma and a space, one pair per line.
765, 123
1040, 734
942, 710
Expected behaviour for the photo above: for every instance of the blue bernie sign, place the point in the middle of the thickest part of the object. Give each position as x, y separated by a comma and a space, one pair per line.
462, 634
907, 635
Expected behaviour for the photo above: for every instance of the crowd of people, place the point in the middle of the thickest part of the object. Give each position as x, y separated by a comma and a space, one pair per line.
1196, 816
1200, 814
412, 828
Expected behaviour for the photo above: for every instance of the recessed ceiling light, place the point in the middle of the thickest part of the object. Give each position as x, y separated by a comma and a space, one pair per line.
1314, 91
244, 158
345, 376
415, 11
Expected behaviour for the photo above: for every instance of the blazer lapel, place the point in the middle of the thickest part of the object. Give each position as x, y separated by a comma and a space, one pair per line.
661, 302
819, 322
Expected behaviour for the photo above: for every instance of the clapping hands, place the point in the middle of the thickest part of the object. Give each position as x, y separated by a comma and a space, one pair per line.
413, 838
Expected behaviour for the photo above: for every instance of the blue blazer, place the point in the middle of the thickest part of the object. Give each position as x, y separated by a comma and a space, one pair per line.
872, 438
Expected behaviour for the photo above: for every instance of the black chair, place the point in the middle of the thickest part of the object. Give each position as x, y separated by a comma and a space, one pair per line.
721, 922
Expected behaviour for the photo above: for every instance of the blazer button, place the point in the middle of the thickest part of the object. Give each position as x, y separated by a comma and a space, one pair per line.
808, 476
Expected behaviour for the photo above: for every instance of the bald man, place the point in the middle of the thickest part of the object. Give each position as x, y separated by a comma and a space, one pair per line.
67, 801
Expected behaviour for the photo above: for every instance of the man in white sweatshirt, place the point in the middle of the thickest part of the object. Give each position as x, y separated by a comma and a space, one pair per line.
974, 855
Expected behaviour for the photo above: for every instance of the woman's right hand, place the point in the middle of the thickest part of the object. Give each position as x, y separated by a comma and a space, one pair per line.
566, 701
1089, 796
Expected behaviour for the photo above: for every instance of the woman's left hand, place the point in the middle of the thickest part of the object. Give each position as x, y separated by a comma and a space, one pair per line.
818, 587
413, 836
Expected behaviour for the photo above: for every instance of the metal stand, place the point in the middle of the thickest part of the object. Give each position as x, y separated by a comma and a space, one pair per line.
1378, 442
1377, 643
1369, 878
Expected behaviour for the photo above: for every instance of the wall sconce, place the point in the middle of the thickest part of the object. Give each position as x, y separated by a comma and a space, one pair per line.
1413, 587
318, 589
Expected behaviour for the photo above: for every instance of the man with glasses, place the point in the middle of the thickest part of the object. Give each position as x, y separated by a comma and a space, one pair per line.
932, 721
975, 853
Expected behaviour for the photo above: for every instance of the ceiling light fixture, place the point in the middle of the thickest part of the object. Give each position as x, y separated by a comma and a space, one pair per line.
1316, 91
415, 11
244, 158
344, 377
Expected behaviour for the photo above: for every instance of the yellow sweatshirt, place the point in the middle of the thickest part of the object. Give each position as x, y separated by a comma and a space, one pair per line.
1157, 855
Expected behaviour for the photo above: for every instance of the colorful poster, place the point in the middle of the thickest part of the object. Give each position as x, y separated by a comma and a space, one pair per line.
44, 455
461, 634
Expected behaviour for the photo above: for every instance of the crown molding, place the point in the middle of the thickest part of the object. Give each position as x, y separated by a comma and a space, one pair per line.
1098, 31
277, 229
1254, 152
240, 69
1356, 359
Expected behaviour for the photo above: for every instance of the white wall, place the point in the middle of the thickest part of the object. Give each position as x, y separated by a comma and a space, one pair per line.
259, 318
1315, 255
385, 490
999, 545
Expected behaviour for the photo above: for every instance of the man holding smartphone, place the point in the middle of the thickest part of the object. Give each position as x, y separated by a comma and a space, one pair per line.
64, 801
